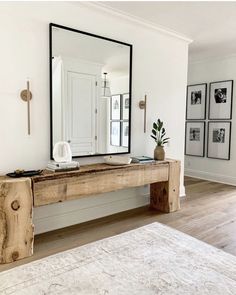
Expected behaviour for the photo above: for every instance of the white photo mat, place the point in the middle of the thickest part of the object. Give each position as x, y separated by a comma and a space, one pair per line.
125, 106
115, 133
195, 139
220, 100
115, 107
125, 134
196, 102
219, 137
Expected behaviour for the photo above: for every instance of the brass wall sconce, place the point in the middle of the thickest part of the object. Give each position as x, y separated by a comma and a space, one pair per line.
143, 106
26, 95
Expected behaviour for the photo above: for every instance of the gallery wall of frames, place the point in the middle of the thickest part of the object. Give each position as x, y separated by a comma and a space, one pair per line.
213, 126
119, 120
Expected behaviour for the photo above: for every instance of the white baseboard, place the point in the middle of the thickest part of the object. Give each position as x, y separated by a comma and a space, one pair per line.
55, 216
182, 191
211, 176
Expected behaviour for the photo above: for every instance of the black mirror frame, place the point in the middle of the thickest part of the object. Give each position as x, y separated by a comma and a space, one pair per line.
51, 25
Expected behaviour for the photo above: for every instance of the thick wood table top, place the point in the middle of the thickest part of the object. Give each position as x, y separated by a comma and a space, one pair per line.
92, 168
52, 187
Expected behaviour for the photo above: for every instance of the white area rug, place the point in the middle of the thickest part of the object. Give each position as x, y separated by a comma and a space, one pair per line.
153, 259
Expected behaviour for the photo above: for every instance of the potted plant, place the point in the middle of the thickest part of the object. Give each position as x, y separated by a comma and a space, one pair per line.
158, 134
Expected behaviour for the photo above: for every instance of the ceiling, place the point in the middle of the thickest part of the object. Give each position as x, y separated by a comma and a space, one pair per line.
211, 25
113, 57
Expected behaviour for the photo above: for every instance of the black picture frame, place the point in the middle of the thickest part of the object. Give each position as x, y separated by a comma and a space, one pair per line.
208, 135
204, 105
204, 138
53, 25
231, 100
111, 143
119, 97
125, 96
123, 123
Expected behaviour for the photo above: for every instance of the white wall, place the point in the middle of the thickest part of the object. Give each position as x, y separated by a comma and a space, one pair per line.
159, 70
119, 85
207, 71
57, 99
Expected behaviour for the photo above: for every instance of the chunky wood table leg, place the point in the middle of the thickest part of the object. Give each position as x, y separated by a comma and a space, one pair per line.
16, 227
164, 196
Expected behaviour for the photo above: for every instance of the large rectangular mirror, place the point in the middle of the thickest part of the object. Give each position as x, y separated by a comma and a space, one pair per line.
90, 79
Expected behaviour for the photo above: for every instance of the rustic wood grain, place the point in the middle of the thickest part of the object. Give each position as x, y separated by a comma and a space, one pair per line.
208, 213
91, 168
16, 199
95, 179
16, 228
164, 196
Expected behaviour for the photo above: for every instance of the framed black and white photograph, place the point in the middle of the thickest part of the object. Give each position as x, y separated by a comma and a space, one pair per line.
219, 138
125, 106
115, 135
125, 134
115, 107
195, 139
196, 102
220, 102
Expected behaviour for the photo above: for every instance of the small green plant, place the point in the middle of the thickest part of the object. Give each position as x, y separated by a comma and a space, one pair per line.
158, 133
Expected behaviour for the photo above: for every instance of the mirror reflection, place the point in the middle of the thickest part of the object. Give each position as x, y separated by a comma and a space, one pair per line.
90, 92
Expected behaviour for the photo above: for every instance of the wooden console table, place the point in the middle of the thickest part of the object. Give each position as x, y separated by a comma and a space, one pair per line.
19, 196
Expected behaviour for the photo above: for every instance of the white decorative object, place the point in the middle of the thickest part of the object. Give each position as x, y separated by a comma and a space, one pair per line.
62, 152
117, 160
153, 259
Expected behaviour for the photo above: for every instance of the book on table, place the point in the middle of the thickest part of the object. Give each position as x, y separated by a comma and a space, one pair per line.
59, 167
142, 159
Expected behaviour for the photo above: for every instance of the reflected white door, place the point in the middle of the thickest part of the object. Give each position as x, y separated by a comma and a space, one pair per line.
81, 106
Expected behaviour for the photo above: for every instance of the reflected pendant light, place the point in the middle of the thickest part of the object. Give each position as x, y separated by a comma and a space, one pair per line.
106, 91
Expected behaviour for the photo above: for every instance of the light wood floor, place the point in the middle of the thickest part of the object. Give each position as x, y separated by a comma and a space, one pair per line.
208, 213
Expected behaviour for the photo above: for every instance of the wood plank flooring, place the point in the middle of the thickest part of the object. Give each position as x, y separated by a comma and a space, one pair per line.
208, 213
